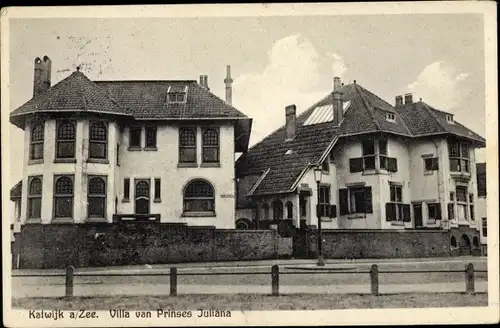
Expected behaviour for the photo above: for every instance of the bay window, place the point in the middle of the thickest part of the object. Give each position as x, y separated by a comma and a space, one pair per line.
459, 156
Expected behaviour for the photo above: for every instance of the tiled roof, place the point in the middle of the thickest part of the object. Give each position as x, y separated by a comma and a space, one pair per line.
15, 192
148, 100
74, 93
366, 114
424, 120
138, 99
481, 179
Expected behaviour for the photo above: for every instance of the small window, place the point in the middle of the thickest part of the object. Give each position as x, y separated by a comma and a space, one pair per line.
210, 150
126, 189
157, 190
96, 199
449, 118
431, 164
177, 94
63, 197
118, 154
390, 117
289, 210
98, 140
150, 136
199, 197
36, 142
35, 198
434, 211
65, 139
135, 137
187, 145
484, 223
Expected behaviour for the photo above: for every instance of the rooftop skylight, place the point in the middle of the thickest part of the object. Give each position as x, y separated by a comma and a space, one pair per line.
323, 114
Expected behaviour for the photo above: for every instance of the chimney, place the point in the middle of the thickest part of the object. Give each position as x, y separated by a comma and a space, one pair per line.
338, 110
408, 98
41, 78
290, 126
229, 85
399, 101
202, 80
205, 79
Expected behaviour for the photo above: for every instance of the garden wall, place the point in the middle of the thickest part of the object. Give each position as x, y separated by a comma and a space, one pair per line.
381, 243
83, 245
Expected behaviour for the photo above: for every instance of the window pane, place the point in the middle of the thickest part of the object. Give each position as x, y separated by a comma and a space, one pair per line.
126, 188
454, 165
399, 194
472, 217
205, 205
198, 189
393, 194
157, 189
64, 186
187, 137
210, 138
36, 151
461, 194
465, 165
187, 155
142, 189
98, 132
359, 199
135, 137
66, 149
150, 136
35, 187
368, 147
34, 207
454, 149
465, 150
63, 207
428, 164
66, 131
97, 150
210, 155
96, 206
431, 211
383, 145
383, 163
369, 162
97, 186
37, 133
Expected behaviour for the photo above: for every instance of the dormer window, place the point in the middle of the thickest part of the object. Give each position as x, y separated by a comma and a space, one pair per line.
177, 94
390, 117
449, 118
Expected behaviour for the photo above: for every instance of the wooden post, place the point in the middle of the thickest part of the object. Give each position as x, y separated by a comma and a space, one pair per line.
69, 281
374, 279
173, 281
469, 278
275, 280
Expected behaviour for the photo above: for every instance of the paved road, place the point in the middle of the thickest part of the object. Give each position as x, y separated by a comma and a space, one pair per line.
258, 284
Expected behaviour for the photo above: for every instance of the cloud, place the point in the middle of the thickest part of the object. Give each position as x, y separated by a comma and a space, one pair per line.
294, 74
440, 85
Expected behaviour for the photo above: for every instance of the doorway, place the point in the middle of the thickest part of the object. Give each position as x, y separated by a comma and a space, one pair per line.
142, 197
465, 245
417, 215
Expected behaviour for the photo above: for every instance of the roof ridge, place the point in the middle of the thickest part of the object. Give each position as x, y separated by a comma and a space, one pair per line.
367, 105
126, 81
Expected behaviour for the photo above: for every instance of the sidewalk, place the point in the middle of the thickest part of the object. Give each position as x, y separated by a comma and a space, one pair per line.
90, 290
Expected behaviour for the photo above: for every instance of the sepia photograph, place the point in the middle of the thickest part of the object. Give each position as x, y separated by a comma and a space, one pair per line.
250, 164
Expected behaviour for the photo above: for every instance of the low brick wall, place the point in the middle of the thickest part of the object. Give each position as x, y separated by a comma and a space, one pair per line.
83, 245
381, 243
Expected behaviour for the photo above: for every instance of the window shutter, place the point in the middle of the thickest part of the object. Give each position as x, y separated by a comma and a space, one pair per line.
368, 200
438, 211
406, 213
451, 211
333, 211
392, 164
344, 201
435, 163
390, 211
356, 164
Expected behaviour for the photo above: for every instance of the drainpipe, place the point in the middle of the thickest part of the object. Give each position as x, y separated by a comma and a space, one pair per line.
438, 179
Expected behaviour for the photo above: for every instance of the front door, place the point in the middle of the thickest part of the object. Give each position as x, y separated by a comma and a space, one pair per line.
417, 214
142, 197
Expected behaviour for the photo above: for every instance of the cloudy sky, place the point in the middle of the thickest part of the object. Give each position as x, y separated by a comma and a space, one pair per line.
276, 61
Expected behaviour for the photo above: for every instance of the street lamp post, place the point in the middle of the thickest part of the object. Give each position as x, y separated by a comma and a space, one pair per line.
318, 172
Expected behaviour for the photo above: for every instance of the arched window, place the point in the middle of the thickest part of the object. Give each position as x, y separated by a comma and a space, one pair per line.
35, 198
65, 139
36, 141
265, 208
289, 210
277, 210
210, 149
96, 198
63, 197
142, 197
98, 140
199, 197
243, 224
187, 145
453, 241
